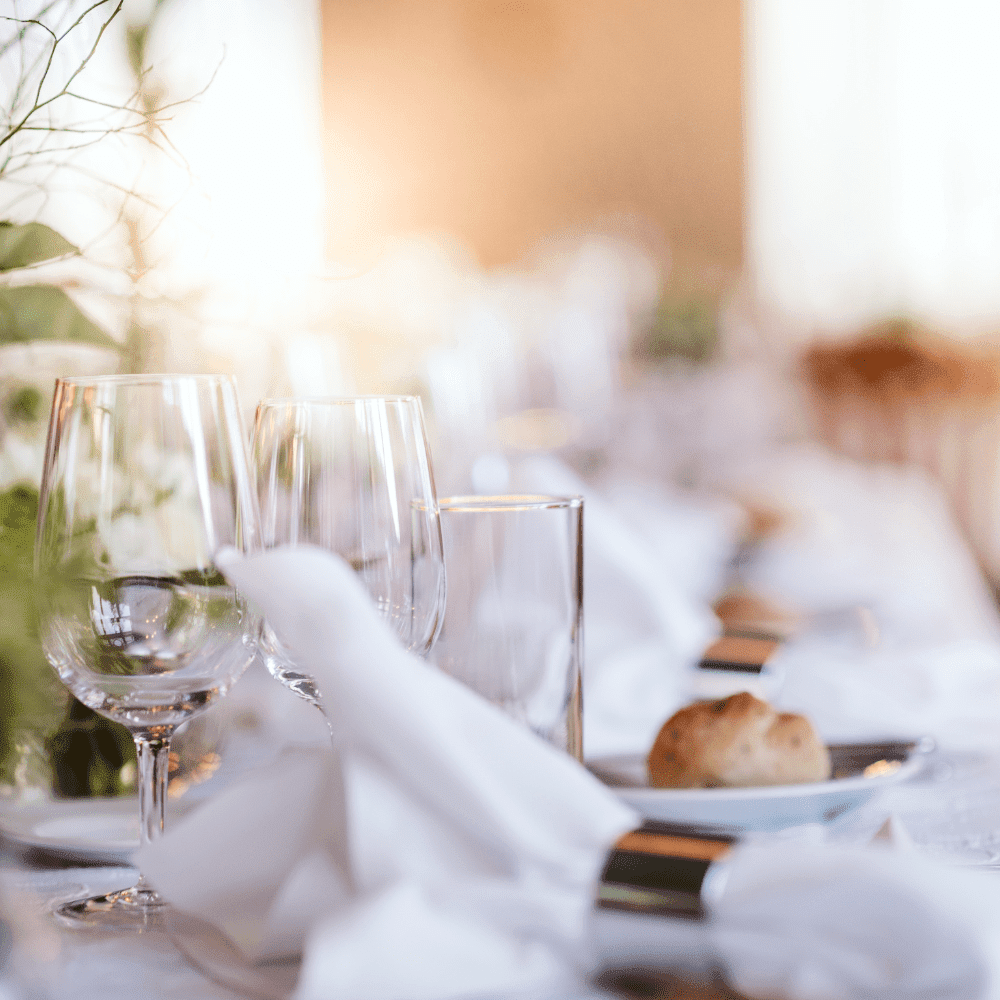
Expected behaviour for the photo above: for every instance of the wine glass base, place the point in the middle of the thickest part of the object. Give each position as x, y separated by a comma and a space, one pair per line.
135, 909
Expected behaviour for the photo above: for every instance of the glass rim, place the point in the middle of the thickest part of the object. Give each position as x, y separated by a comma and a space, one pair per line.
149, 378
501, 503
333, 400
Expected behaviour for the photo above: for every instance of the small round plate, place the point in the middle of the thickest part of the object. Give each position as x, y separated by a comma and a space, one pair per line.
86, 830
860, 771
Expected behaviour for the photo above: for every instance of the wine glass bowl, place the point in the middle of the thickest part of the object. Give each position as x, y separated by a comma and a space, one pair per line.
145, 480
151, 651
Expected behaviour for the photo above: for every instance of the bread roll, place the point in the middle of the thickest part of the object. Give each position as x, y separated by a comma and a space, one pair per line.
737, 742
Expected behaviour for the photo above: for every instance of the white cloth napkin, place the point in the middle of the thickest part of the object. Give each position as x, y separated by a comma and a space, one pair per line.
443, 852
822, 923
812, 922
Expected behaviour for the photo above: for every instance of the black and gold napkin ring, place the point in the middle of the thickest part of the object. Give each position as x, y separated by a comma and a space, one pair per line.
665, 869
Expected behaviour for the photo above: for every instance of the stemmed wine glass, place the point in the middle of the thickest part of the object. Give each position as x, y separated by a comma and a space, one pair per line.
145, 479
353, 475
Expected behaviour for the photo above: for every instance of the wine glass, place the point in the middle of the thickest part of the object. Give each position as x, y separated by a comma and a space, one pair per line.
145, 479
353, 475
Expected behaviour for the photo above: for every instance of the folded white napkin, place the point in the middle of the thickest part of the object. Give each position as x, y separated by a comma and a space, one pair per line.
812, 922
444, 851
821, 923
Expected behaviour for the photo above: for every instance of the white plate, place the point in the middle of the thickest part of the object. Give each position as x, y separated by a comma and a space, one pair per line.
94, 829
861, 770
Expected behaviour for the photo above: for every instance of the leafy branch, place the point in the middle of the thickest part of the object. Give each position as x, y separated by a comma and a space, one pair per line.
48, 119
52, 120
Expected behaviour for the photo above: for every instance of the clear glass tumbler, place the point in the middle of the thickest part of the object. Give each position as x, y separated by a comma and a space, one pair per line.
513, 624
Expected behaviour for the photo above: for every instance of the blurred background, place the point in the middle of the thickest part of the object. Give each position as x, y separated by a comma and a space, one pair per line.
640, 242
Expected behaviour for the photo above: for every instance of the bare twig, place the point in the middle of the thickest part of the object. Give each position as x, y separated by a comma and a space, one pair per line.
19, 36
39, 103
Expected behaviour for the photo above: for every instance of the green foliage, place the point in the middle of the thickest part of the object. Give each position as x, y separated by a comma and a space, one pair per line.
136, 42
136, 36
22, 246
680, 329
30, 695
203, 577
86, 750
44, 312
24, 406
88, 753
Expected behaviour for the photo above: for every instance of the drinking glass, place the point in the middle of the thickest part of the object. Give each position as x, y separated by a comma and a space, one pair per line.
513, 628
354, 476
145, 479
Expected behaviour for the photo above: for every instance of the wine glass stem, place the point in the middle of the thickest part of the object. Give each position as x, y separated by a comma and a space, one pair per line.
153, 750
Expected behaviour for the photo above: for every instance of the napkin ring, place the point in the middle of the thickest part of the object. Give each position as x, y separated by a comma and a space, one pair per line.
665, 869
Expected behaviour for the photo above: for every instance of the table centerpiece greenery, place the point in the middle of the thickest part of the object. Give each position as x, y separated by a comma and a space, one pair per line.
47, 738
